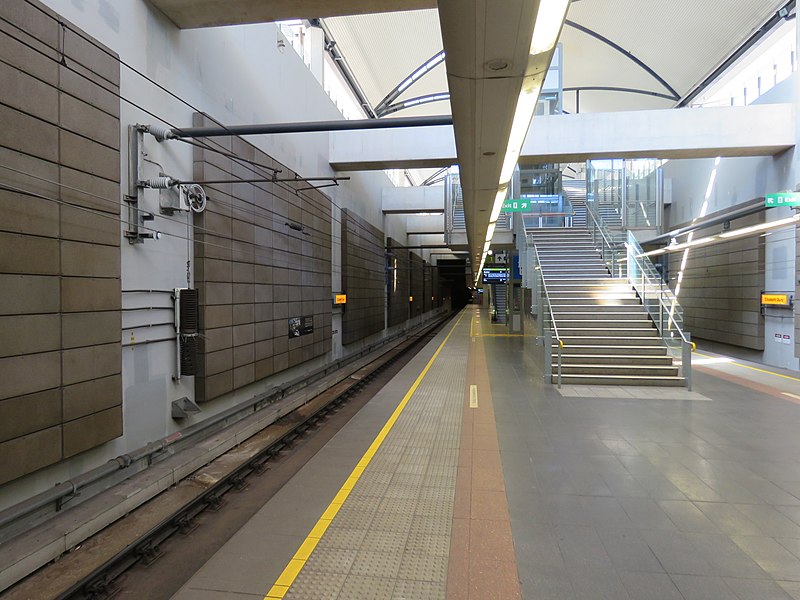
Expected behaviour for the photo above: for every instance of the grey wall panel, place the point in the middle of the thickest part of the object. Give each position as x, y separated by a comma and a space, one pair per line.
255, 270
60, 383
398, 283
417, 291
721, 289
363, 277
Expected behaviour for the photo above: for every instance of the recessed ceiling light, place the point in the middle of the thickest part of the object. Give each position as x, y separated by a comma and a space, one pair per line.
498, 64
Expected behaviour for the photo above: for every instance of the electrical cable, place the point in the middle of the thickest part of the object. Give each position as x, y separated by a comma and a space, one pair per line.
242, 161
114, 56
206, 146
118, 219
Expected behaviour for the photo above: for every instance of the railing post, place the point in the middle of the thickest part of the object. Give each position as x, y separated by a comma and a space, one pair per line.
559, 363
686, 360
548, 356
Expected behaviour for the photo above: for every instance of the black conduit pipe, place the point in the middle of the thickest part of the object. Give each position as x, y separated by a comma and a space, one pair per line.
165, 133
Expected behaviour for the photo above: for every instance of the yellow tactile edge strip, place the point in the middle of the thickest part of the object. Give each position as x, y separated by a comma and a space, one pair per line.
298, 561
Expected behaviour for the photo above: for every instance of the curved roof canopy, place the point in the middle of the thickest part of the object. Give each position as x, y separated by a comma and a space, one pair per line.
656, 52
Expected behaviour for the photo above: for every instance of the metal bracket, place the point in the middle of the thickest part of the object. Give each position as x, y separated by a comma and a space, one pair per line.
134, 232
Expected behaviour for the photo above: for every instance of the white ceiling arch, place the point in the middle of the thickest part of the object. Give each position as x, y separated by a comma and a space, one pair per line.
610, 44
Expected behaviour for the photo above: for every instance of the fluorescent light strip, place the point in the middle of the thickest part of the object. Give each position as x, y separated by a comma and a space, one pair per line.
548, 24
723, 236
499, 199
761, 227
490, 232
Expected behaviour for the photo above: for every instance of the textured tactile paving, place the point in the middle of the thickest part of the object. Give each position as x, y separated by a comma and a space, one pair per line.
391, 537
430, 545
331, 560
310, 585
337, 537
420, 567
377, 564
406, 589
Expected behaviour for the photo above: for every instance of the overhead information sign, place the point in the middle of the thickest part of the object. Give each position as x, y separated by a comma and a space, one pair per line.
519, 205
782, 199
495, 275
768, 299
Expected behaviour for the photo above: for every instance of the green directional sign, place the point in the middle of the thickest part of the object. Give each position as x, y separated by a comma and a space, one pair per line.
783, 199
520, 205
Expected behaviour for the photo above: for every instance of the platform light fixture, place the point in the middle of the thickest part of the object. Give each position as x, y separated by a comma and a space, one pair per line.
549, 20
726, 235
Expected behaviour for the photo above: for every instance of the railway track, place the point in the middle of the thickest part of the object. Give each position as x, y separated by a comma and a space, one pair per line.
105, 581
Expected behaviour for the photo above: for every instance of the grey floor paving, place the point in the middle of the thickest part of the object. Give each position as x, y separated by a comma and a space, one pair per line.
644, 492
391, 537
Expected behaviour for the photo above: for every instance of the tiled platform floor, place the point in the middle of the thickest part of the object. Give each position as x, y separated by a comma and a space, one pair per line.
617, 494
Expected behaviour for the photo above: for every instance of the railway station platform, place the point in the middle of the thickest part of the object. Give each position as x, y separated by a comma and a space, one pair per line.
468, 478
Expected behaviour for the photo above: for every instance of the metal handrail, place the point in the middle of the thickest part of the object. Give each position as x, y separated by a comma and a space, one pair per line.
613, 247
671, 313
561, 343
635, 255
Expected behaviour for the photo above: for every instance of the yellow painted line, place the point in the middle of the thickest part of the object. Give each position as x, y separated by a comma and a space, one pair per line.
795, 396
473, 396
298, 561
753, 368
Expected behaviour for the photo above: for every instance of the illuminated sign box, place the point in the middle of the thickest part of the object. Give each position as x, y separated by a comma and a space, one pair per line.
771, 299
495, 275
340, 298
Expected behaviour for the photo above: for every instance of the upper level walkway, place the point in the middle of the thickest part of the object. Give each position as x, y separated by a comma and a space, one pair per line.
755, 130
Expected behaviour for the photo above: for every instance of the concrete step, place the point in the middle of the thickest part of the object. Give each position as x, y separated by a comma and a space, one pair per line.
631, 370
609, 301
560, 309
606, 340
620, 350
592, 284
640, 380
605, 294
615, 359
602, 324
629, 332
550, 273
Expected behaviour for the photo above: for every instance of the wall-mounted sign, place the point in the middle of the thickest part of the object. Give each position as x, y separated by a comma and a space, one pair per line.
300, 326
495, 275
519, 205
782, 199
340, 298
411, 298
772, 299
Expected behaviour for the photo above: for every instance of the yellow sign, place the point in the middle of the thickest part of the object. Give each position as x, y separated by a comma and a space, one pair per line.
340, 299
775, 299
411, 298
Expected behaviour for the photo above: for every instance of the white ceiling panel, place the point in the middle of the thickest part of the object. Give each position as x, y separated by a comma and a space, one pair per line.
382, 49
681, 40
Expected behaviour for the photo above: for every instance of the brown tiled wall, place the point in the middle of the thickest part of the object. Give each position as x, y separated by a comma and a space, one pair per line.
363, 278
60, 384
430, 291
721, 289
417, 266
398, 284
254, 272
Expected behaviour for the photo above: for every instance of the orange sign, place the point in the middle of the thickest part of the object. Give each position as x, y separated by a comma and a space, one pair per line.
775, 300
340, 299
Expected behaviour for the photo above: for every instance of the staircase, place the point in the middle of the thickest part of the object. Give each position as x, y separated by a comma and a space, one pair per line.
610, 215
608, 337
575, 191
